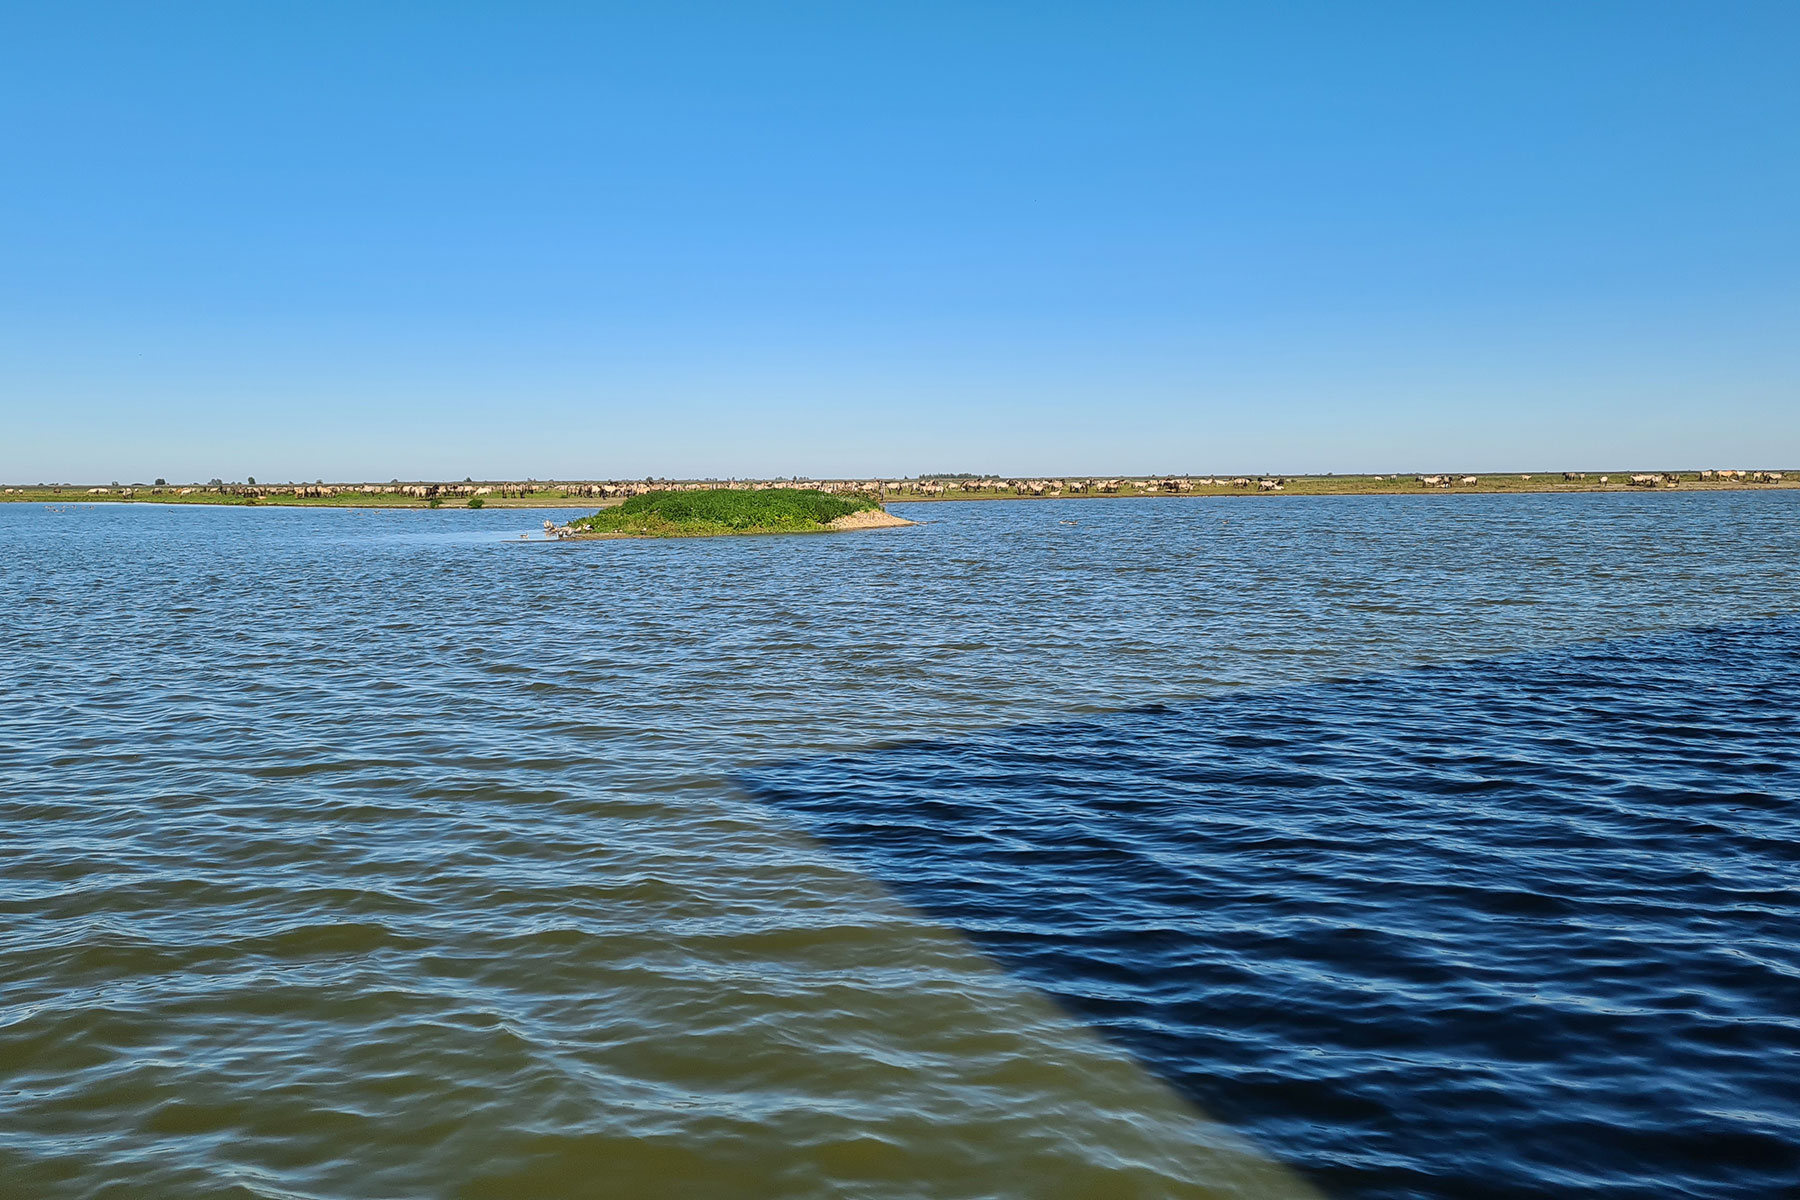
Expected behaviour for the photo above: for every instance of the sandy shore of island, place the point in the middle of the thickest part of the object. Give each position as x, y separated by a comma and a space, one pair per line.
874, 518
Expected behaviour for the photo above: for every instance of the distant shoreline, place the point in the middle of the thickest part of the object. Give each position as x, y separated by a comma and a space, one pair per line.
929, 490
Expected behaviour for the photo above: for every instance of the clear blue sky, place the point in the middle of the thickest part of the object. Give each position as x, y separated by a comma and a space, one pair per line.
436, 240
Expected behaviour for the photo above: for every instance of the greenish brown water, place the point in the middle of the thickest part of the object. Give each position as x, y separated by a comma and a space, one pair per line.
357, 854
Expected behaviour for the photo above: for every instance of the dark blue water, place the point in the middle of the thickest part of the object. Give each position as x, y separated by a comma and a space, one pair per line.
1389, 846
1520, 926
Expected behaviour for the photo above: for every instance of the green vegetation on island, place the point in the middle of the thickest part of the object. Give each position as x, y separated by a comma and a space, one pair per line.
725, 511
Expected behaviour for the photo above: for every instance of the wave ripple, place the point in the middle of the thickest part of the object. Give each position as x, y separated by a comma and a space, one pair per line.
1527, 926
375, 854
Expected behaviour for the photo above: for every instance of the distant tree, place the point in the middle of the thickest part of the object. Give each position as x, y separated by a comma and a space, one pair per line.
115, 483
161, 482
250, 479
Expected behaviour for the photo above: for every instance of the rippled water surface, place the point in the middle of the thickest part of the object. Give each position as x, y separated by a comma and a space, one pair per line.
1434, 846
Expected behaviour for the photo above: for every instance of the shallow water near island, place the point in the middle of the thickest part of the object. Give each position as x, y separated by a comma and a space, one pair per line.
1365, 846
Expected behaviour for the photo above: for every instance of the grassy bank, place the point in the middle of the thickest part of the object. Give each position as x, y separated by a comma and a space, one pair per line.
590, 495
1338, 485
335, 497
723, 511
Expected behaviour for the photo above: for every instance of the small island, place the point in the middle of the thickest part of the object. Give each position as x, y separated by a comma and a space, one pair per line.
722, 511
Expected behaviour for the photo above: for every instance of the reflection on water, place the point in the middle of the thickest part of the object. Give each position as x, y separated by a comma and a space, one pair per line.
378, 854
1523, 926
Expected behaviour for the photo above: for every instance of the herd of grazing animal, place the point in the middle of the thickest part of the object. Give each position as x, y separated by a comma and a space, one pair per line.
943, 487
1171, 485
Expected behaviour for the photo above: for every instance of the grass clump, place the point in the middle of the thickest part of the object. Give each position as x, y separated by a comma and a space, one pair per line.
722, 511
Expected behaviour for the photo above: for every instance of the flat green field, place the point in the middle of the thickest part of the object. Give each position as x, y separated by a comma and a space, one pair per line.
595, 496
347, 497
1351, 485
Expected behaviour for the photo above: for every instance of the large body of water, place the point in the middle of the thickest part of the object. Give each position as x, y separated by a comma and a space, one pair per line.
1362, 847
